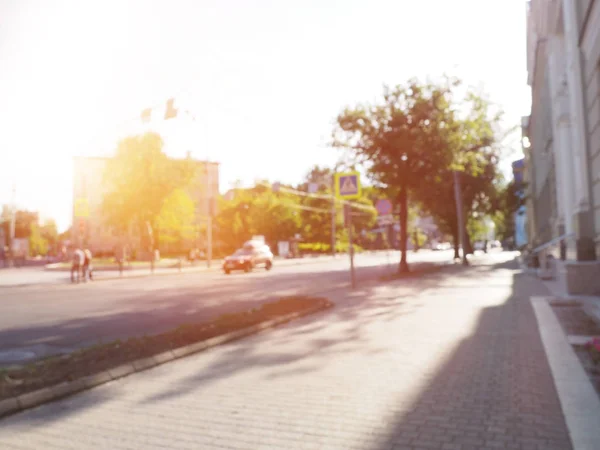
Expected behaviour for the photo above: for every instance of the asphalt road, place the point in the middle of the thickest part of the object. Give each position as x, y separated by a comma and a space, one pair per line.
40, 320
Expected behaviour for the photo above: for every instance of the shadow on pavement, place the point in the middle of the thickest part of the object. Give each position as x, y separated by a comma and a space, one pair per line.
494, 391
357, 309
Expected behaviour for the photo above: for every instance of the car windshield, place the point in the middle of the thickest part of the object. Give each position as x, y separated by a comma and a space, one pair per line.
242, 252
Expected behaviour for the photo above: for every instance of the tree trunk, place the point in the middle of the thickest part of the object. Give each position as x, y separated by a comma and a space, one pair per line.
456, 246
403, 202
468, 246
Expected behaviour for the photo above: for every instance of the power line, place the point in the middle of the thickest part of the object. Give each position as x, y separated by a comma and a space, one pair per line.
311, 208
322, 196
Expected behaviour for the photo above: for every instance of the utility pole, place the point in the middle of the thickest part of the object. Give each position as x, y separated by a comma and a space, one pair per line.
348, 217
460, 217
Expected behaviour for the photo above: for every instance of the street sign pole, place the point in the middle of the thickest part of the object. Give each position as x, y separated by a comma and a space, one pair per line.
347, 187
348, 215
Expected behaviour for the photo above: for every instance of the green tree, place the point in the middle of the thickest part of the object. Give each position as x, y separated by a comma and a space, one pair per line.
320, 175
401, 141
315, 212
176, 220
49, 232
363, 219
472, 138
23, 221
139, 179
37, 244
256, 211
316, 215
508, 201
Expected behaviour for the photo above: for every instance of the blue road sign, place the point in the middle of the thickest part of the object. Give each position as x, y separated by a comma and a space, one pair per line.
347, 185
383, 207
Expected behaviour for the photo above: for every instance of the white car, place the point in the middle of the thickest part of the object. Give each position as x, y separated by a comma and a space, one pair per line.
249, 257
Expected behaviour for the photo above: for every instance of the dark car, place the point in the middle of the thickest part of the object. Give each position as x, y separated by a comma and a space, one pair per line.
248, 258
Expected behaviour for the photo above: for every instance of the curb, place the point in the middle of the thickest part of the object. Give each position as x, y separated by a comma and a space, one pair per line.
22, 402
579, 403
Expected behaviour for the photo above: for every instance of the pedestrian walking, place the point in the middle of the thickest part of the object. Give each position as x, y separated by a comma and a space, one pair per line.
77, 265
87, 265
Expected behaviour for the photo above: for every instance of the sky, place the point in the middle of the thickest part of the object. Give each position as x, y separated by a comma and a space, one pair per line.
264, 79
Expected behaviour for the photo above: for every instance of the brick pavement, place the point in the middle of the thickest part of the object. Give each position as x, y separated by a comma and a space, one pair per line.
453, 361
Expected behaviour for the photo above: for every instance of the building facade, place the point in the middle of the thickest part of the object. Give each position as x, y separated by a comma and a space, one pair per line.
563, 159
89, 228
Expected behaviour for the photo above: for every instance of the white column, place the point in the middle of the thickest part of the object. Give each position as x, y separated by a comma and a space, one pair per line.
577, 106
562, 131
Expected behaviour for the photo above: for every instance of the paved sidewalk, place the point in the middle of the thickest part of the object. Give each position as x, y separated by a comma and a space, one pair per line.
451, 361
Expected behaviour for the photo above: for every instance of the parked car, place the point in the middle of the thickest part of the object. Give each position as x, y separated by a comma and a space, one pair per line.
249, 257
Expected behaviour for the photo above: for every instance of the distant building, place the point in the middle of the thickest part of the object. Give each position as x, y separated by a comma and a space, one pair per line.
89, 190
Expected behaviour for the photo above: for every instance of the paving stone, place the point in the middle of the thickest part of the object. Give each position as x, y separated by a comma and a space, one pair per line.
452, 361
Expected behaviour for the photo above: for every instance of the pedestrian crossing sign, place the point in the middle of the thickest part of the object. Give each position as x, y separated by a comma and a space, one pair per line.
347, 185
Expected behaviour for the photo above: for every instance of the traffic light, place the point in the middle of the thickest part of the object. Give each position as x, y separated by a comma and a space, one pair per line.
170, 112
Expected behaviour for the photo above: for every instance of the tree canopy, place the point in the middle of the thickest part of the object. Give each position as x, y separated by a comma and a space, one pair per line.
412, 140
176, 220
139, 179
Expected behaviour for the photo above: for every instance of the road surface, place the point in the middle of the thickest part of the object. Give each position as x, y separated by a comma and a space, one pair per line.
451, 361
42, 320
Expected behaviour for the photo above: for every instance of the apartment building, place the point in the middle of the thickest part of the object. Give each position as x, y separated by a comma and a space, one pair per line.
563, 159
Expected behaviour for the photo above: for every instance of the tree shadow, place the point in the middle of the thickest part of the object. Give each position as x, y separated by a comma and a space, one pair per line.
494, 391
356, 310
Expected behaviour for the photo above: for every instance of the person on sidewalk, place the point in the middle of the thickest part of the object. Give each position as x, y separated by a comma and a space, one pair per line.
77, 265
87, 265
